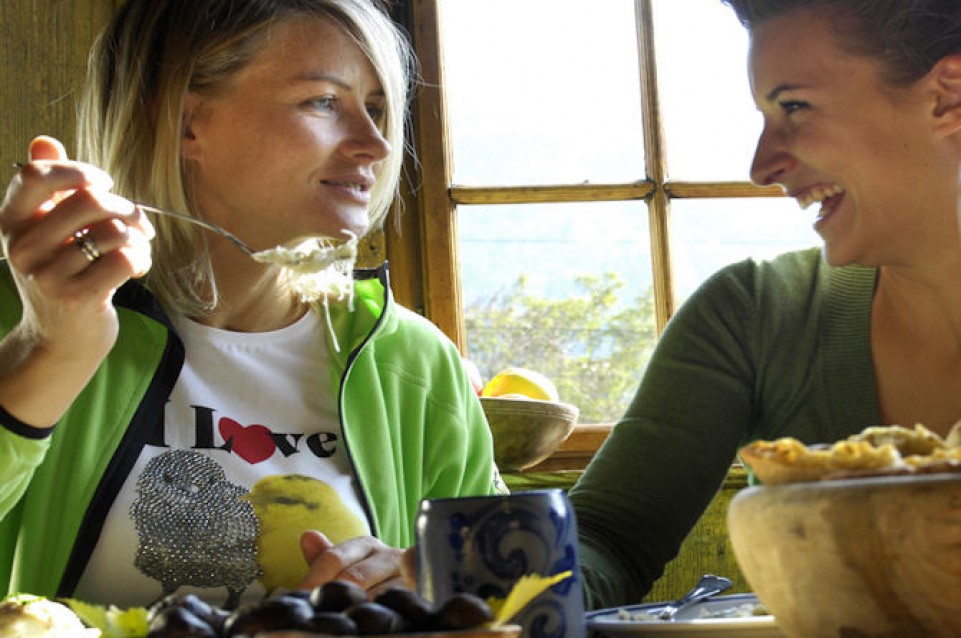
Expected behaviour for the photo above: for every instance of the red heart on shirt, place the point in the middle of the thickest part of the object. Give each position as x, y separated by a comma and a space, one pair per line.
252, 443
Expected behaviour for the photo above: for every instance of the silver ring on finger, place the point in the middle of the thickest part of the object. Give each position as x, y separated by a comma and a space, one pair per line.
86, 244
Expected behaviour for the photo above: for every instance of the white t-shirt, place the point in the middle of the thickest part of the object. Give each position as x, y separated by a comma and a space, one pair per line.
251, 455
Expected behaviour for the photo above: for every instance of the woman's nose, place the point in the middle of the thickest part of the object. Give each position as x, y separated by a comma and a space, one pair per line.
771, 159
365, 140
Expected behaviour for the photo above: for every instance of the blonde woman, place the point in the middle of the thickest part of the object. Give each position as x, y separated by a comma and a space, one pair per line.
174, 415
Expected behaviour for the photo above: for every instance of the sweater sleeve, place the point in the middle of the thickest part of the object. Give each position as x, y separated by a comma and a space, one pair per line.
22, 448
670, 452
19, 456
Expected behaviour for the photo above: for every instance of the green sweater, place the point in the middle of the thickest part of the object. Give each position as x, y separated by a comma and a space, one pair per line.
760, 351
412, 424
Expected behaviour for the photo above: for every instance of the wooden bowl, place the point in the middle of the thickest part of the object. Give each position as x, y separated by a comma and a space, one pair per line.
858, 557
526, 431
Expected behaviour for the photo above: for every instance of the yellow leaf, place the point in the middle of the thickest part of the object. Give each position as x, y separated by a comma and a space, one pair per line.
524, 591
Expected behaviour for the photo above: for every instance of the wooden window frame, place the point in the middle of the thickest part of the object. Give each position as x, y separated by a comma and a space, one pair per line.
422, 245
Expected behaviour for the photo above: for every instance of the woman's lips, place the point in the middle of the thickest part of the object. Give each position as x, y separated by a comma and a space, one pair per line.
828, 196
355, 191
816, 194
827, 209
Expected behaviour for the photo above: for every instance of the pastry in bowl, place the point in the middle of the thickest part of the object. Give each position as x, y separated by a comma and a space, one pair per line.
875, 451
854, 538
855, 557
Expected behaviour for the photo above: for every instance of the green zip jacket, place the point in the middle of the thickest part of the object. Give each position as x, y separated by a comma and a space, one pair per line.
412, 424
762, 350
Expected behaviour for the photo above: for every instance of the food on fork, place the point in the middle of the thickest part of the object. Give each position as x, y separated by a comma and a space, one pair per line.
320, 268
875, 451
313, 255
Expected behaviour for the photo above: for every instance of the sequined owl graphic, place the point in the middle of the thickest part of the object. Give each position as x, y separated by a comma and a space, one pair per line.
193, 526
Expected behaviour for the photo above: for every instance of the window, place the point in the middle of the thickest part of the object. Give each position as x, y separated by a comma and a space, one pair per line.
583, 167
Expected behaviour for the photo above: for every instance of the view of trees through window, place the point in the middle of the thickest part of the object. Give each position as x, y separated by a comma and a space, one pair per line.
549, 97
581, 341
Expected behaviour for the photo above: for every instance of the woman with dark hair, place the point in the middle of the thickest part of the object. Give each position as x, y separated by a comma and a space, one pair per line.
861, 101
174, 415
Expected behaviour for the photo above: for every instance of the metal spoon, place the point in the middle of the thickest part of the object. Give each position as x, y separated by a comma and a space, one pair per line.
709, 585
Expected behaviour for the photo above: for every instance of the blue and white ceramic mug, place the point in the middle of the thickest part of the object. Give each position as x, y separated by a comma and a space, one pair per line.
484, 544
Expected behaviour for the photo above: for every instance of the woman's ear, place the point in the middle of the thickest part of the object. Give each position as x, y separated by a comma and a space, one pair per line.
947, 77
189, 143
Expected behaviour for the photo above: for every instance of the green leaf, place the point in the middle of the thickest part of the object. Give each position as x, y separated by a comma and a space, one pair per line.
112, 621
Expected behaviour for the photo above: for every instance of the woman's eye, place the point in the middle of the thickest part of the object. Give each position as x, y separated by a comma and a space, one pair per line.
326, 103
792, 106
376, 112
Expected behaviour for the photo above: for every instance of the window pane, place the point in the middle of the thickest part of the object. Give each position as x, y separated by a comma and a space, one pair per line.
542, 91
709, 233
565, 289
710, 121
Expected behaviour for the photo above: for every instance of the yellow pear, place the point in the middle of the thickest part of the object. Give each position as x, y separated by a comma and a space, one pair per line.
287, 506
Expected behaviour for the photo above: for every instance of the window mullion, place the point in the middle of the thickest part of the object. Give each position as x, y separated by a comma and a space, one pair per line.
656, 165
439, 258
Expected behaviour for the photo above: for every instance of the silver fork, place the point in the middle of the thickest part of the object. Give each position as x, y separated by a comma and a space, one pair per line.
226, 234
707, 586
313, 259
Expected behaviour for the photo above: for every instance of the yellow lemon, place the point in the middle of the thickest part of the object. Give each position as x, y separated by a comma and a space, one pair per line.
522, 381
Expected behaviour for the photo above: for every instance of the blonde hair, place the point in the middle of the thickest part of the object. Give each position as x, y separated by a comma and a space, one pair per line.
131, 111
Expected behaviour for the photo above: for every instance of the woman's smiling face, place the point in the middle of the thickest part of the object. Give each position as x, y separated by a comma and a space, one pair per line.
290, 147
842, 143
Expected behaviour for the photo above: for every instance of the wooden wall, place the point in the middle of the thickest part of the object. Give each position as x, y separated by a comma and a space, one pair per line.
43, 53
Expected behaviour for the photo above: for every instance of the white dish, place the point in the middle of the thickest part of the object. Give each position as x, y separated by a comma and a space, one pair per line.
619, 622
